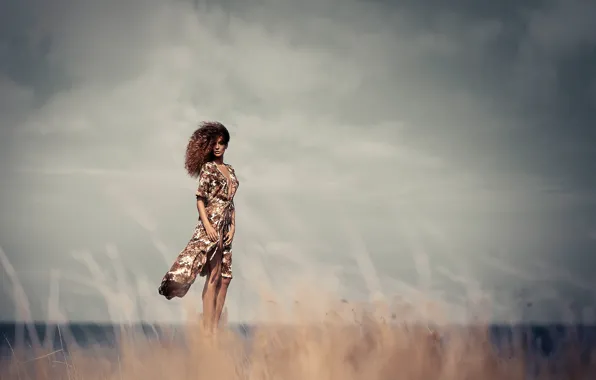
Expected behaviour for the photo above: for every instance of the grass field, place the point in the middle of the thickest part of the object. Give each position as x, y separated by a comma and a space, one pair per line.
367, 345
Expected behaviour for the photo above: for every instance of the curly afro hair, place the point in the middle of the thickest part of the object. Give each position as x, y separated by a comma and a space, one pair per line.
200, 145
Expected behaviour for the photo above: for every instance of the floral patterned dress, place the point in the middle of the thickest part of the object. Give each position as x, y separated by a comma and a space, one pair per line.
218, 194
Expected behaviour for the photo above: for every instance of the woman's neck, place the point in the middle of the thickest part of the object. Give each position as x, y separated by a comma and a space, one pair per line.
218, 160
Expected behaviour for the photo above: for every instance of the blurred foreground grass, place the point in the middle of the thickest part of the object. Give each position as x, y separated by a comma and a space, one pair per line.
368, 347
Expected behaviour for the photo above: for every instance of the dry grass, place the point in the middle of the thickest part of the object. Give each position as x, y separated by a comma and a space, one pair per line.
365, 346
326, 338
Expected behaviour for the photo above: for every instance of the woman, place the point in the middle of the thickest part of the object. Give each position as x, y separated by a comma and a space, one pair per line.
209, 251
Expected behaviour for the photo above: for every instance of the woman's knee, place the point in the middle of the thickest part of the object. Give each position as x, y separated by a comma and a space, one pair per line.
225, 281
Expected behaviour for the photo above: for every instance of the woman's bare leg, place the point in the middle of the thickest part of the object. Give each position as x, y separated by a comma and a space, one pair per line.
220, 299
209, 297
206, 283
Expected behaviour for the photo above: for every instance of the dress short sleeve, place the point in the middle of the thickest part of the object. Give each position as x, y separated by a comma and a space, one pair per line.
233, 172
204, 187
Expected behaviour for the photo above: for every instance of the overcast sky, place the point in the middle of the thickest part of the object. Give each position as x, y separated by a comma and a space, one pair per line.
383, 147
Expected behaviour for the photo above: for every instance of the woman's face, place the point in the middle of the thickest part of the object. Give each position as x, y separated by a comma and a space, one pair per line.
219, 148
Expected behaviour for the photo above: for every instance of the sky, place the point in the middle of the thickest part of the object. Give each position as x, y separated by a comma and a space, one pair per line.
392, 149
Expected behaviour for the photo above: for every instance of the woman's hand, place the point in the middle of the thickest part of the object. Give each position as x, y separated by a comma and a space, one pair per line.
230, 235
211, 233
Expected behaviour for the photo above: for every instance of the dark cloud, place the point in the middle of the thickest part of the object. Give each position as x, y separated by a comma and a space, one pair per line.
471, 121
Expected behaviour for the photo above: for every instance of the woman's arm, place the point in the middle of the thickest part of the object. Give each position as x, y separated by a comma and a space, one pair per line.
202, 212
202, 198
211, 233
